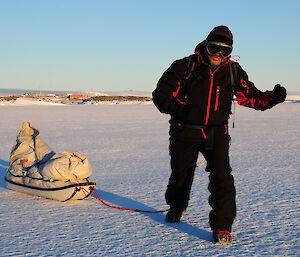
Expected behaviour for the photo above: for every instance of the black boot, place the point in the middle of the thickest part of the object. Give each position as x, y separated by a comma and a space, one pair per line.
174, 216
222, 237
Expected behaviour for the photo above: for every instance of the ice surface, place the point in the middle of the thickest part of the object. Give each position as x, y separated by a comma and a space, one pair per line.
128, 148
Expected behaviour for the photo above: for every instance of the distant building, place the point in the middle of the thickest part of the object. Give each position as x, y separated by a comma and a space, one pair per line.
81, 97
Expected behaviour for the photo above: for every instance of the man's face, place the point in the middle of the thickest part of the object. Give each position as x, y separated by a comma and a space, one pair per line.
215, 60
217, 52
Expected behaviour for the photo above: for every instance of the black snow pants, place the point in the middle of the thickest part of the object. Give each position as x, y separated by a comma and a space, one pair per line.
213, 143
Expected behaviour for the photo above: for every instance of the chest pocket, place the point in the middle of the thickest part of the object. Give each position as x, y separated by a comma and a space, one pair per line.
223, 98
224, 92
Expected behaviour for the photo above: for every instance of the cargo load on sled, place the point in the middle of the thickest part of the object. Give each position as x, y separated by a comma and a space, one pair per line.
37, 170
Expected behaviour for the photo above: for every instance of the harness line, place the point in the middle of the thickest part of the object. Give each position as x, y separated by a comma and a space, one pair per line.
96, 196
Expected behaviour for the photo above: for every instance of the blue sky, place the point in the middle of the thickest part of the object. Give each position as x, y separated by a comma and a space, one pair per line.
126, 45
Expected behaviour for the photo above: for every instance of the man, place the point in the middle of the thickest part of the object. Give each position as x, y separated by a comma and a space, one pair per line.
197, 91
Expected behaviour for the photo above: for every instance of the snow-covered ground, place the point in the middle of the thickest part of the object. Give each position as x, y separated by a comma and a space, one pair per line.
7, 92
128, 148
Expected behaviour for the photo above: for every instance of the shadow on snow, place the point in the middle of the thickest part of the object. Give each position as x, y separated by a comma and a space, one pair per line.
125, 202
3, 167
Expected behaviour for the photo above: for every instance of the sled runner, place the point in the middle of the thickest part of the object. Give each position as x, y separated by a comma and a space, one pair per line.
35, 169
55, 190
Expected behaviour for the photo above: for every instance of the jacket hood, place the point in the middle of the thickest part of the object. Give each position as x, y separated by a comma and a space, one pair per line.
200, 47
201, 53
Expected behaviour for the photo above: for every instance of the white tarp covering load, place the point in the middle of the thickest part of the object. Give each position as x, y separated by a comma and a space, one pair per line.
35, 165
30, 151
65, 166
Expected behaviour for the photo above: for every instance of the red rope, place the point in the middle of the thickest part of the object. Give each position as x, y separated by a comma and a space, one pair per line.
96, 196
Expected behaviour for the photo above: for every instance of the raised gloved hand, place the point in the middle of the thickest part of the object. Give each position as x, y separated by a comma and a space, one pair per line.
278, 94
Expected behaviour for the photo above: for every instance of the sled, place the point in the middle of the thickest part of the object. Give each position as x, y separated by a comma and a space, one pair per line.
56, 190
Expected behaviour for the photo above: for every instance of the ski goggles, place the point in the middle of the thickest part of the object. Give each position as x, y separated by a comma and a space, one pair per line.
218, 48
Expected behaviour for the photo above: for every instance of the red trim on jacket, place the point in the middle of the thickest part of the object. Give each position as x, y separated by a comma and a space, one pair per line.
203, 133
226, 129
257, 102
175, 93
244, 84
217, 98
209, 97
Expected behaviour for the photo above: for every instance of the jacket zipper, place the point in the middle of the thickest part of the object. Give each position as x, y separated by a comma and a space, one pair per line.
209, 97
210, 92
217, 98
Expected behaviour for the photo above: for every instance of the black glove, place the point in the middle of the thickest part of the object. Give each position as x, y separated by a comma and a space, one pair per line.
278, 94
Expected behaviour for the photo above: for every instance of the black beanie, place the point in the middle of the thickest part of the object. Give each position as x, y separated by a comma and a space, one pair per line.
221, 34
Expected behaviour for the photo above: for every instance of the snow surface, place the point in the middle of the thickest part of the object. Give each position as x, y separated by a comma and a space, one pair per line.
128, 148
7, 92
28, 101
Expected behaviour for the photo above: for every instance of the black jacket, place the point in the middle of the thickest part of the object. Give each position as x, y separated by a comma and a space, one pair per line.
205, 98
